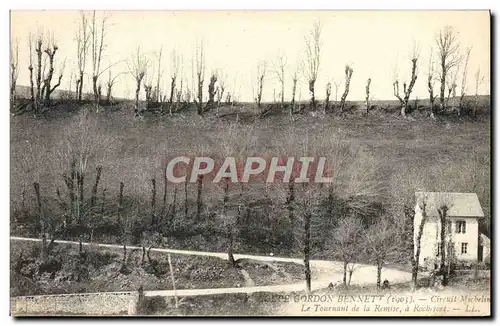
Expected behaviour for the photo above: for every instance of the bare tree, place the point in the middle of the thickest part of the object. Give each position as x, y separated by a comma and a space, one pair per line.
148, 88
448, 51
347, 242
382, 242
138, 67
221, 88
430, 85
173, 78
233, 141
313, 56
200, 75
355, 180
279, 69
417, 246
479, 80
294, 90
261, 74
451, 84
82, 146
47, 88
82, 47
443, 205
367, 91
407, 89
14, 70
34, 103
350, 270
159, 76
39, 55
463, 88
327, 98
109, 85
211, 91
348, 76
97, 47
337, 85
179, 95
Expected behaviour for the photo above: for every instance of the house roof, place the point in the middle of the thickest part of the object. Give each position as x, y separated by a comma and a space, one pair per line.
459, 204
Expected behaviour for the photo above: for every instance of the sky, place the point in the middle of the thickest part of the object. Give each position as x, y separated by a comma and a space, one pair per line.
376, 44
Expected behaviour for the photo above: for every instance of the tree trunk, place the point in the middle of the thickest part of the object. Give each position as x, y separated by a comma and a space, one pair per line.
43, 226
442, 268
80, 182
185, 199
80, 86
171, 100
311, 90
96, 90
307, 235
431, 100
443, 84
416, 258
174, 208
96, 185
348, 76
39, 73
120, 204
290, 202
137, 92
32, 91
199, 202
350, 277
153, 202
379, 274
404, 108
344, 278
292, 104
165, 183
211, 93
124, 253
283, 93
230, 254
367, 98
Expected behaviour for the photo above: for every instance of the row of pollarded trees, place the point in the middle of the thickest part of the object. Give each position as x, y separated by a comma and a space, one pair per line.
144, 72
446, 70
46, 71
46, 74
309, 70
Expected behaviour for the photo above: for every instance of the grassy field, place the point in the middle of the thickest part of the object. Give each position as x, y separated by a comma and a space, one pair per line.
132, 150
405, 155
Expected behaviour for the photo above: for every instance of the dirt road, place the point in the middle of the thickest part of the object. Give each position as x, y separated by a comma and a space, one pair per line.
323, 272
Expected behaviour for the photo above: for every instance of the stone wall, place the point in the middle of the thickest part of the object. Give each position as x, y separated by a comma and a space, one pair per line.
99, 304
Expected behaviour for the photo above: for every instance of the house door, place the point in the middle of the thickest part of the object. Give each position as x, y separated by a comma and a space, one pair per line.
480, 253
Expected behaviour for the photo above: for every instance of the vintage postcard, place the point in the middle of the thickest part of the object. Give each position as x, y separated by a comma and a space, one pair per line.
250, 163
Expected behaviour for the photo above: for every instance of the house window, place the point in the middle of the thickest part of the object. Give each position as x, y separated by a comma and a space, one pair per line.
464, 248
460, 227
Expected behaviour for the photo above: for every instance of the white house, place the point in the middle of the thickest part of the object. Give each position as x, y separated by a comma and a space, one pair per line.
462, 234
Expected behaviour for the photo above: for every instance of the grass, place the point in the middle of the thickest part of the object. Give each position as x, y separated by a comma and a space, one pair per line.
103, 272
449, 154
138, 146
